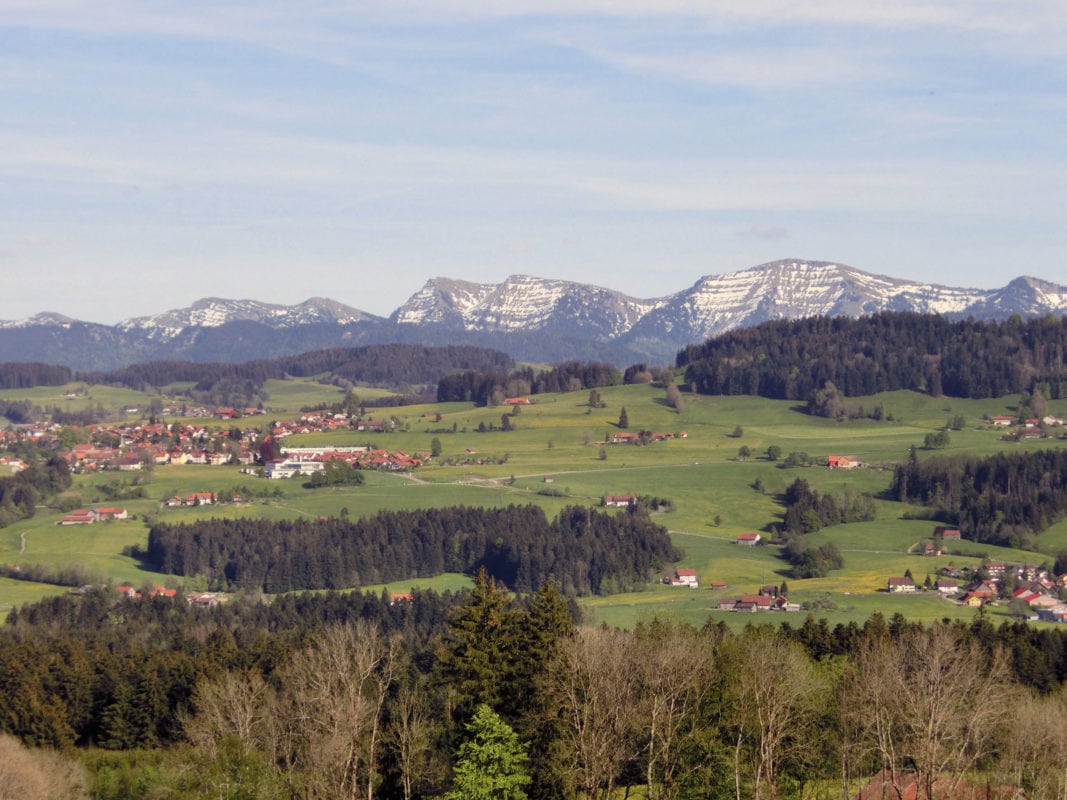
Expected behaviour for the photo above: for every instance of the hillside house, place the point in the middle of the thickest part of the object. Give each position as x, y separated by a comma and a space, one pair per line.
110, 512
948, 534
82, 516
842, 462
1003, 421
902, 584
620, 500
685, 577
748, 539
947, 587
752, 603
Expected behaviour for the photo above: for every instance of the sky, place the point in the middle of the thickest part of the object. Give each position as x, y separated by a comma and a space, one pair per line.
153, 153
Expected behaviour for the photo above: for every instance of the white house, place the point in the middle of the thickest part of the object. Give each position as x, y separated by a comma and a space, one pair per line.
685, 577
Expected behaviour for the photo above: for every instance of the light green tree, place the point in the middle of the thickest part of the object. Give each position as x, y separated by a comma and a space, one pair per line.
491, 764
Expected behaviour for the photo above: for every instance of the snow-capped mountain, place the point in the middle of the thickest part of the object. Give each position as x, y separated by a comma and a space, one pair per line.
523, 303
790, 289
213, 312
44, 318
533, 319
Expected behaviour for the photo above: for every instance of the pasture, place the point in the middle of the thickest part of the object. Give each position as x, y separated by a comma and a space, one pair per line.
559, 453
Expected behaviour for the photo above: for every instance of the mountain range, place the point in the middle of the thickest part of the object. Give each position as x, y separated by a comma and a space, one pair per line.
532, 319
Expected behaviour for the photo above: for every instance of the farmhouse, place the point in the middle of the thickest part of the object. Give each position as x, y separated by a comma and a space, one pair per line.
842, 462
947, 587
82, 516
748, 539
1003, 421
948, 534
904, 584
620, 500
112, 512
685, 577
754, 602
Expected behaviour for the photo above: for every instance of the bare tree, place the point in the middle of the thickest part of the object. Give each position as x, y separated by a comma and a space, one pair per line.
1038, 762
776, 693
929, 703
333, 709
238, 705
673, 664
596, 687
410, 735
39, 774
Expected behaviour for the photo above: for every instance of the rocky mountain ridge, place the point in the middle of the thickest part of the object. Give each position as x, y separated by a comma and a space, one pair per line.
531, 318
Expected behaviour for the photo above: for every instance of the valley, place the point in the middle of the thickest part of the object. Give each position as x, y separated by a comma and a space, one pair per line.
556, 455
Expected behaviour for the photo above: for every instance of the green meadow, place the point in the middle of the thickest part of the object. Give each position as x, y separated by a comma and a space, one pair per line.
557, 454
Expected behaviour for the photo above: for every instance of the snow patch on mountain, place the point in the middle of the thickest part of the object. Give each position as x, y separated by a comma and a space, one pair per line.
45, 318
213, 312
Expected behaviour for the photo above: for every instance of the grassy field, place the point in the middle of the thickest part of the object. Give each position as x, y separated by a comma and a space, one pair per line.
556, 455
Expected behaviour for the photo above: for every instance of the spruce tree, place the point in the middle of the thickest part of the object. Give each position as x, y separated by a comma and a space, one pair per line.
491, 764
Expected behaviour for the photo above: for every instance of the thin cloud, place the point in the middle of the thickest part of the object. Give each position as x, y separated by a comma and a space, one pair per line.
766, 233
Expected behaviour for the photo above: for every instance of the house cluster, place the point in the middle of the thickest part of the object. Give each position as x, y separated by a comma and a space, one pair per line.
938, 543
625, 437
87, 516
13, 463
136, 594
193, 499
206, 599
1034, 586
130, 447
1026, 428
769, 598
309, 460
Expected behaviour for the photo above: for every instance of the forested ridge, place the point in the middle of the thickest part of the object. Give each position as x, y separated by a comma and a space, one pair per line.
585, 551
1004, 499
791, 360
350, 695
381, 365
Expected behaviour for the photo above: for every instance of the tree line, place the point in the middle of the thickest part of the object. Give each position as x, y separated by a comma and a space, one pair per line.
586, 551
1004, 499
793, 359
363, 696
491, 388
44, 476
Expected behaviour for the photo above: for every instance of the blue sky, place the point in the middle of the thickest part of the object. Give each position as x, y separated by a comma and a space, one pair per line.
153, 153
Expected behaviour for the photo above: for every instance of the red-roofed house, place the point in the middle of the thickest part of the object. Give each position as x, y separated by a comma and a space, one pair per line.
82, 516
842, 462
748, 539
